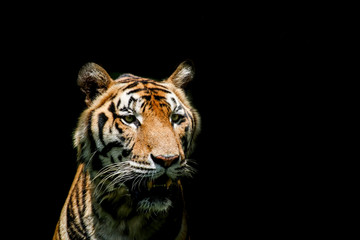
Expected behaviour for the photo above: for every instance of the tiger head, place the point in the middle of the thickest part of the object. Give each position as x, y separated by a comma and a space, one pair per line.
136, 135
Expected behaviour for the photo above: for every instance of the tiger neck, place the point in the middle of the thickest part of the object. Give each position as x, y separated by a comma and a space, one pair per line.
118, 213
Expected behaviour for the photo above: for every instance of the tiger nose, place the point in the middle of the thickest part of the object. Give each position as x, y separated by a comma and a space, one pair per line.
165, 161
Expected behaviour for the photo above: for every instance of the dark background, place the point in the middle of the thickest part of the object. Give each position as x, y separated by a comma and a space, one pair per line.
254, 87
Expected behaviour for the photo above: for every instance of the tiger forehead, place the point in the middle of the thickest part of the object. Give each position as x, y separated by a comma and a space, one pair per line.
146, 86
144, 93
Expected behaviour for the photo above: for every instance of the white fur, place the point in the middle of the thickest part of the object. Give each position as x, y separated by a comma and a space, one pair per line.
147, 206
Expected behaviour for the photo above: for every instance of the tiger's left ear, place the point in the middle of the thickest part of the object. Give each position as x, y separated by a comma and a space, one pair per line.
183, 74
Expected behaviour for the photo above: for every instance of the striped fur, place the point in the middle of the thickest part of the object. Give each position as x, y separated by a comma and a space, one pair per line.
133, 142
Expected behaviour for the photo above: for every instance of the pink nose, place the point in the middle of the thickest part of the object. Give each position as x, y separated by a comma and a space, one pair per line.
165, 161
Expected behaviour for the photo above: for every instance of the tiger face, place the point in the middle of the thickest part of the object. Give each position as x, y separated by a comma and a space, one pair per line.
135, 137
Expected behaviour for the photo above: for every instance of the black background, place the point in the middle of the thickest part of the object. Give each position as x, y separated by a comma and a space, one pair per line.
254, 87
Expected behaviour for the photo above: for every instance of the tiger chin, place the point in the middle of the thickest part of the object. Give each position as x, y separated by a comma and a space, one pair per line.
133, 141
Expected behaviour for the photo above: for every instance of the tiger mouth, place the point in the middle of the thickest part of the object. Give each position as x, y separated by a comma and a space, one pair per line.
155, 189
161, 184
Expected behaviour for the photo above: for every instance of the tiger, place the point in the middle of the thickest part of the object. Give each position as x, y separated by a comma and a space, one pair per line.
133, 142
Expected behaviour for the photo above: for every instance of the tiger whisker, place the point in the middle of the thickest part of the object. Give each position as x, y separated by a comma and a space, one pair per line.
138, 181
114, 175
91, 158
118, 170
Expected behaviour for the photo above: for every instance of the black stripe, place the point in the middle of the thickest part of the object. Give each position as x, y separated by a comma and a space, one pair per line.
109, 146
82, 193
134, 84
143, 105
153, 83
96, 163
147, 89
118, 104
159, 98
125, 109
130, 101
126, 152
102, 118
74, 233
113, 110
187, 114
166, 105
146, 97
91, 136
112, 96
118, 128
72, 227
193, 121
185, 143
69, 219
79, 212
159, 89
186, 129
124, 80
178, 108
137, 90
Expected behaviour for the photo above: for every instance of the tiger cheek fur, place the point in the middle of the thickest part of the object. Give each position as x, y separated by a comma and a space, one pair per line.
133, 143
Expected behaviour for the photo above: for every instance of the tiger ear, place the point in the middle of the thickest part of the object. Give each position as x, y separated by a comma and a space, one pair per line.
183, 74
93, 80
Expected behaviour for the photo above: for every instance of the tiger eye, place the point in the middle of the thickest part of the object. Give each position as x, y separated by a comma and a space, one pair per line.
129, 118
175, 117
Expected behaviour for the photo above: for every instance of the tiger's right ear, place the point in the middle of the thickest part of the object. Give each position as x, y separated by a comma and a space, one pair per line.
93, 80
